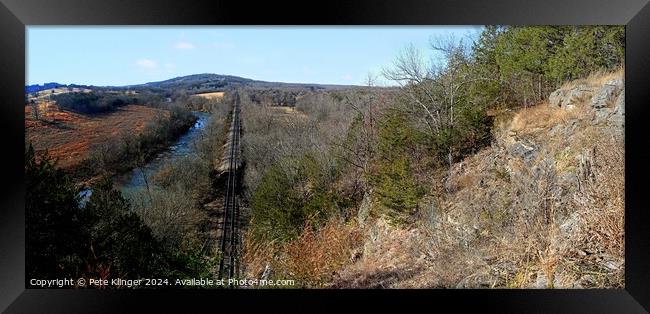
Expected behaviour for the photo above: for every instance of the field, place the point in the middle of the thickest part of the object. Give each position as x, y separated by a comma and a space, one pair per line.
214, 95
70, 136
287, 112
44, 94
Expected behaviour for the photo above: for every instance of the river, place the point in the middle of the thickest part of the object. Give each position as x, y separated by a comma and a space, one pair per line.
134, 180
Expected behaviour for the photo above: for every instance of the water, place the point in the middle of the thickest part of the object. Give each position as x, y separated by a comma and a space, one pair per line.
134, 180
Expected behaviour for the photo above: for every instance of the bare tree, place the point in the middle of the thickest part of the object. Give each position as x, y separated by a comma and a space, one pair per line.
359, 148
432, 90
452, 75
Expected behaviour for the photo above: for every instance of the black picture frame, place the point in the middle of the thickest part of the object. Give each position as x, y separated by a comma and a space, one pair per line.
15, 15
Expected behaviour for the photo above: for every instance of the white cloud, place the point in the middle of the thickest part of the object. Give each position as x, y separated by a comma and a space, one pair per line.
347, 77
147, 64
183, 45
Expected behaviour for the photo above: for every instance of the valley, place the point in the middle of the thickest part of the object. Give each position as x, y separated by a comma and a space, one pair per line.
500, 164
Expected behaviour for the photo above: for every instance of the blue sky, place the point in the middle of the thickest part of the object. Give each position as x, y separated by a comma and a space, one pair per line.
133, 55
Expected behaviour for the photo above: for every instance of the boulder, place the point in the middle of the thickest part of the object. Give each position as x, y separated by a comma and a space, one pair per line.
606, 94
618, 117
567, 98
585, 281
620, 104
522, 151
542, 282
573, 221
601, 115
556, 97
576, 94
612, 265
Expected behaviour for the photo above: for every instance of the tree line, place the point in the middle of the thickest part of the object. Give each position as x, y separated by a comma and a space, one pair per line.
97, 101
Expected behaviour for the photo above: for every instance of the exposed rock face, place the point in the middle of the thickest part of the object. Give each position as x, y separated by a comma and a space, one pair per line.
620, 104
556, 97
607, 101
531, 179
567, 98
618, 117
521, 150
606, 94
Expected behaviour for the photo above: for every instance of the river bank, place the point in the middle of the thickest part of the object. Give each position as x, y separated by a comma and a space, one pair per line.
135, 179
138, 177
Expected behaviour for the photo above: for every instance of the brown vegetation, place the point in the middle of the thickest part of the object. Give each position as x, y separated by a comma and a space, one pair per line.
311, 260
71, 136
551, 219
542, 207
213, 95
174, 204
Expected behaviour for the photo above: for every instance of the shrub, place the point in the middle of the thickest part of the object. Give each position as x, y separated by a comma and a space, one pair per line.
285, 200
92, 102
315, 256
393, 179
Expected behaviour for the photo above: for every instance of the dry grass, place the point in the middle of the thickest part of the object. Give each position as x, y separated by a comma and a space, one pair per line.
543, 116
554, 221
213, 95
597, 78
70, 136
284, 109
314, 257
311, 260
600, 203
257, 255
390, 256
462, 181
286, 112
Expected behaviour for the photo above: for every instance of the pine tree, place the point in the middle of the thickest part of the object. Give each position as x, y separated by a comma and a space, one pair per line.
393, 181
285, 201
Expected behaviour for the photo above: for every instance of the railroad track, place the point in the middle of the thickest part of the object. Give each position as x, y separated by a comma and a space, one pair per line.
229, 263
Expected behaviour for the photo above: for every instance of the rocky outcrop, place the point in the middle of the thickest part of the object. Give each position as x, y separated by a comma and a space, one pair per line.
618, 116
568, 98
521, 150
607, 101
606, 94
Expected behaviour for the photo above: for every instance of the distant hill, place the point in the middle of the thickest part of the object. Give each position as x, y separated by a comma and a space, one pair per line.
213, 82
199, 83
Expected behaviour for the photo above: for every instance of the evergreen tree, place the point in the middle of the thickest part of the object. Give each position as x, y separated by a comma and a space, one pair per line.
393, 180
286, 199
55, 239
